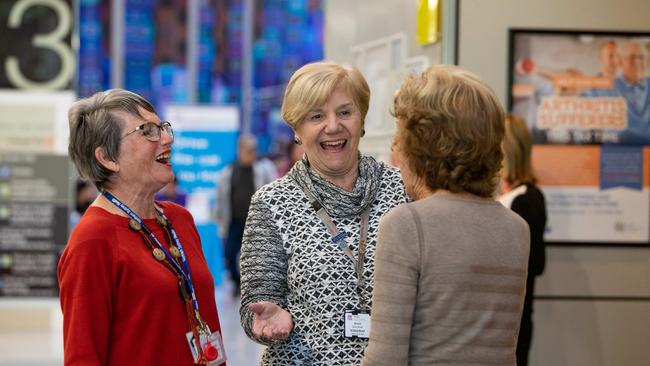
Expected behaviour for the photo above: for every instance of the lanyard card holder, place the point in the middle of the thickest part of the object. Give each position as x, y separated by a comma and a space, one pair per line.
357, 323
212, 346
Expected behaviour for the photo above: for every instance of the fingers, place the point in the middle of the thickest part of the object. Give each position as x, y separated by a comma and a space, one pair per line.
282, 335
269, 330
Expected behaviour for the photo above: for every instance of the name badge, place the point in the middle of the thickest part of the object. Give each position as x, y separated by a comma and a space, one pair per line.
212, 346
357, 324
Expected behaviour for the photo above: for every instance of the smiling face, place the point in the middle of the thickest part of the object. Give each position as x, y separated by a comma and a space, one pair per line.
331, 134
633, 62
143, 165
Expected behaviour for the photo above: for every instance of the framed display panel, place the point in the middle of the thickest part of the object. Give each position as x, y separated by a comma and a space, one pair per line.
586, 98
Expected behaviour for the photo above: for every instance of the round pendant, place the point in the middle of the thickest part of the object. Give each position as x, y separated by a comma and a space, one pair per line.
173, 250
159, 254
134, 225
161, 222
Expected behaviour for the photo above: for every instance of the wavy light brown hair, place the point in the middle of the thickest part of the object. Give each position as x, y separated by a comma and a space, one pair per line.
311, 85
450, 127
517, 145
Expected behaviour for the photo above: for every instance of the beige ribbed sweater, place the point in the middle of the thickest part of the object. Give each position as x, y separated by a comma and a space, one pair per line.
450, 277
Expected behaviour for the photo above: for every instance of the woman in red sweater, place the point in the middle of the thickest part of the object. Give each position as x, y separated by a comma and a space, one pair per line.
135, 286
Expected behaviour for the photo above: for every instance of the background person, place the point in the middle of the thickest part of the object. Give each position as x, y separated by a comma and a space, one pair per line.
128, 257
634, 86
298, 283
609, 60
235, 187
522, 196
85, 194
294, 154
451, 266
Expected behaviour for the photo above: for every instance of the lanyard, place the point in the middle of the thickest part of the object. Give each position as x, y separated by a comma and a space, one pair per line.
338, 237
184, 271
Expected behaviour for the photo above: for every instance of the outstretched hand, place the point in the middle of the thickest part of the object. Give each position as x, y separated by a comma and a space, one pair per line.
270, 321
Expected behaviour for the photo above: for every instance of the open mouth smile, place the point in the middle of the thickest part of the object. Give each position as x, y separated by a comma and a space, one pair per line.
163, 158
334, 146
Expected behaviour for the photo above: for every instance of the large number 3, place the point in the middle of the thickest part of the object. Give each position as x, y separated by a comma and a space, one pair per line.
52, 41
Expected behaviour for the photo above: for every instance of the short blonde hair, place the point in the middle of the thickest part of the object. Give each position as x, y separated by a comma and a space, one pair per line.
311, 86
450, 126
517, 146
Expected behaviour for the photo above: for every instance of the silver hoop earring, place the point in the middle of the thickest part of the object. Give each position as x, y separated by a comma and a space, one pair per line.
297, 140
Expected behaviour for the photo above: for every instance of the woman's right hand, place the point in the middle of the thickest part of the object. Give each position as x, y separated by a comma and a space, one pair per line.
270, 321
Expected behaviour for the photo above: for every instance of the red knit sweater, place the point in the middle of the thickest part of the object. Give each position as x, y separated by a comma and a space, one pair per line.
121, 306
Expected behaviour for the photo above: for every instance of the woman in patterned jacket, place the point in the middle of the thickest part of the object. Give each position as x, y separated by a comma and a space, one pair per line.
307, 257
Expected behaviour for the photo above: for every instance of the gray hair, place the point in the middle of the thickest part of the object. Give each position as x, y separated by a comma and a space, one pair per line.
97, 121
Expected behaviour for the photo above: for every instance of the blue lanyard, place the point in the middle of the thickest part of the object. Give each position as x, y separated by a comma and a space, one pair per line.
185, 270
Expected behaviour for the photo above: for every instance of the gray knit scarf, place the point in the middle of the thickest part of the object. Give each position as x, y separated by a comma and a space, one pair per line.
337, 201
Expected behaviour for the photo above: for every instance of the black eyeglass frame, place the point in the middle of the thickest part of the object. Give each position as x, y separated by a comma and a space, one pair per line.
164, 125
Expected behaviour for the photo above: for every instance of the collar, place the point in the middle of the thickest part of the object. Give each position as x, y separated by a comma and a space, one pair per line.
337, 201
642, 85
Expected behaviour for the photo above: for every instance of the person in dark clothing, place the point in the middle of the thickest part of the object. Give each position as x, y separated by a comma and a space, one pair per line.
84, 197
236, 185
520, 193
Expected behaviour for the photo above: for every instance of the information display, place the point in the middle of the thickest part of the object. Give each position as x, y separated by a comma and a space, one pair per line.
205, 141
34, 196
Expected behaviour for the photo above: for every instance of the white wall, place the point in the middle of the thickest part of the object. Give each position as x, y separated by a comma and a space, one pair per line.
583, 332
353, 23
348, 23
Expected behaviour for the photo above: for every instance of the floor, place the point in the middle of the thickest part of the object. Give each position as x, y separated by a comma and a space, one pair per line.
45, 348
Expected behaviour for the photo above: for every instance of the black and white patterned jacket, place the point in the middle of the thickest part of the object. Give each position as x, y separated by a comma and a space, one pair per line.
287, 258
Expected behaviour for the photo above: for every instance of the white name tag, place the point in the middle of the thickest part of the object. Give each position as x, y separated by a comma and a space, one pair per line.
357, 324
212, 348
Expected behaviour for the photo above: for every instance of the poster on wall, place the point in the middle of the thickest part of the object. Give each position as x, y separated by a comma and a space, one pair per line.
586, 98
205, 141
595, 194
582, 87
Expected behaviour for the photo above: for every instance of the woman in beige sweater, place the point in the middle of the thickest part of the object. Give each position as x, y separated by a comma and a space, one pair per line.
450, 271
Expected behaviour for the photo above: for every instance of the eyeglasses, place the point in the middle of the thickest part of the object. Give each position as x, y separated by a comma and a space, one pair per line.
152, 131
